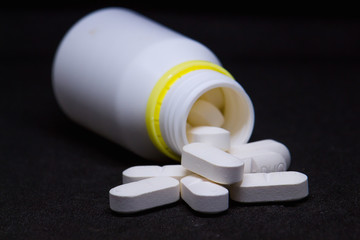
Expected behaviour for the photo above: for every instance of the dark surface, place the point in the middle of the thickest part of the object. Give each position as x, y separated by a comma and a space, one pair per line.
302, 74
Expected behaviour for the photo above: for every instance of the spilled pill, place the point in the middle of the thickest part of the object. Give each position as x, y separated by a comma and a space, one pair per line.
137, 173
212, 163
261, 161
203, 113
262, 145
270, 187
204, 196
144, 194
215, 136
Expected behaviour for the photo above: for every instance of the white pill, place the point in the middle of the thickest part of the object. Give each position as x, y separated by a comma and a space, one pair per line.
212, 163
204, 196
260, 161
137, 173
214, 96
215, 136
267, 144
144, 194
270, 187
204, 113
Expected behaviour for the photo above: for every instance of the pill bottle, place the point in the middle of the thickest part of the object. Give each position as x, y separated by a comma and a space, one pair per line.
135, 81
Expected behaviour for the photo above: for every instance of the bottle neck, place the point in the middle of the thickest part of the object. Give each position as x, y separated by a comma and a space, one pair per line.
238, 109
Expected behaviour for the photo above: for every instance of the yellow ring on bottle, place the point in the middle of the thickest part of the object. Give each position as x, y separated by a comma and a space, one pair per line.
152, 115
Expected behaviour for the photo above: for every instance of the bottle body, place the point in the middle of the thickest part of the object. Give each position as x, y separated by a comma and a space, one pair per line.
107, 66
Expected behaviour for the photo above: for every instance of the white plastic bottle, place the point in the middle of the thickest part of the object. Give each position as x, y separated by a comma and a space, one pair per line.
134, 82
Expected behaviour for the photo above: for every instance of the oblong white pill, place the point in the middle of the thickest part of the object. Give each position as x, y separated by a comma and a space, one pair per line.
212, 163
204, 196
267, 144
214, 96
137, 173
260, 161
204, 113
215, 136
144, 194
270, 187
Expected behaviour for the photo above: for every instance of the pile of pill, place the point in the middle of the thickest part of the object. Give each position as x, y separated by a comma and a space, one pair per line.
212, 170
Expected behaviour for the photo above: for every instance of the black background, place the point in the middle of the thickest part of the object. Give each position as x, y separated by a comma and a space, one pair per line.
300, 68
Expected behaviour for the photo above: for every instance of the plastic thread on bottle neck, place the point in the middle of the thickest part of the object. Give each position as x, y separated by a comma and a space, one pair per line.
238, 111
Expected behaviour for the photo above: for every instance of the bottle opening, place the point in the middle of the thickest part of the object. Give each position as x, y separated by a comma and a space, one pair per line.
205, 97
224, 108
